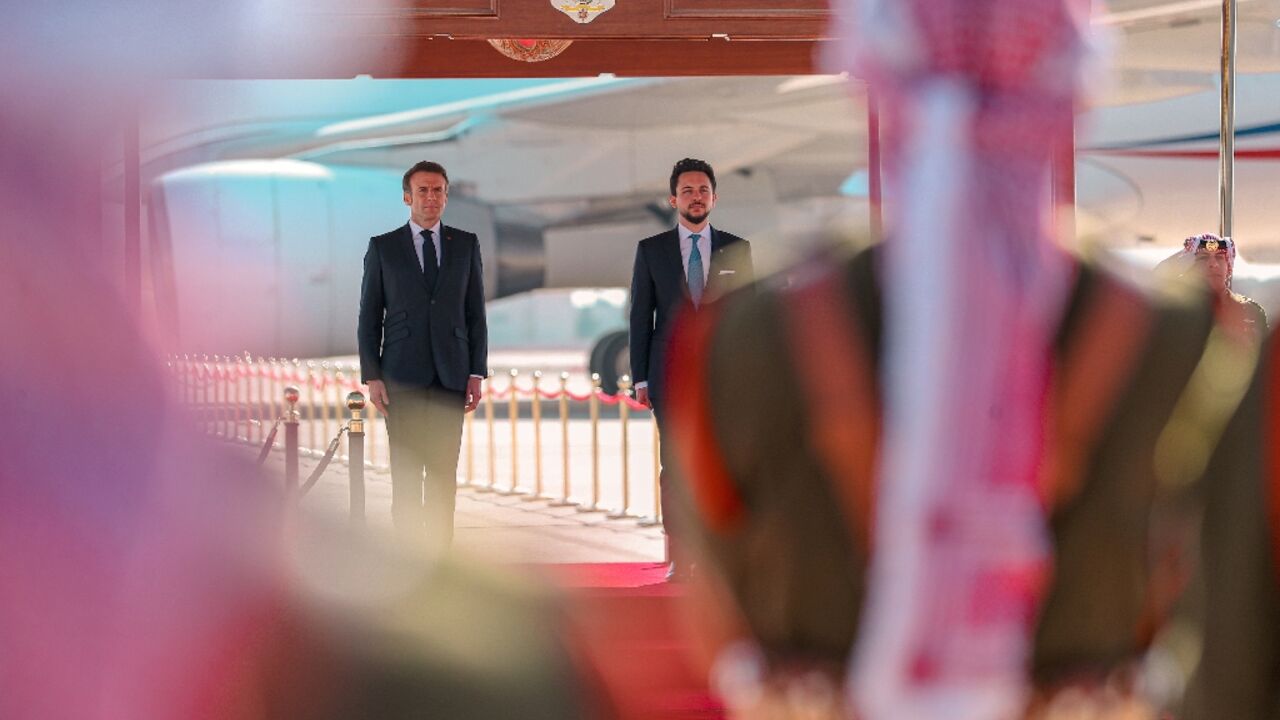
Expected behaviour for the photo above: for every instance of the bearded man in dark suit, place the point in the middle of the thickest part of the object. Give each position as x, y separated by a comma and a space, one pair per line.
685, 269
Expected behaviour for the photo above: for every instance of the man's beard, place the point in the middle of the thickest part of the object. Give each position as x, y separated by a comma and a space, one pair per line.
694, 219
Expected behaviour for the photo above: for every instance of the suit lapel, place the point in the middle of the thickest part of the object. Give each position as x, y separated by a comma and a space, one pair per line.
714, 264
450, 251
674, 260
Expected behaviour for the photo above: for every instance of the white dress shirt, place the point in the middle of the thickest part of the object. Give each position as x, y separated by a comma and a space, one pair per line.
418, 241
704, 247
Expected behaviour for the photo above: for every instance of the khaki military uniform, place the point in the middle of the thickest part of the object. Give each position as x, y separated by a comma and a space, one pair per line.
781, 503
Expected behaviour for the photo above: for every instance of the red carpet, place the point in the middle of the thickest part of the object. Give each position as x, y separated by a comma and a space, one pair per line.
627, 618
611, 575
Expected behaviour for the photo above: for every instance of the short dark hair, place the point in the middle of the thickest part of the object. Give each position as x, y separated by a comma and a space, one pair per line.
431, 167
690, 165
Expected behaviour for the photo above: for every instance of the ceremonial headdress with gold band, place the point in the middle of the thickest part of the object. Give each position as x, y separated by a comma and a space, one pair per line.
1211, 243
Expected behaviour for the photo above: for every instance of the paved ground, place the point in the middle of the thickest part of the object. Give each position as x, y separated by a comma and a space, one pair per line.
504, 528
507, 528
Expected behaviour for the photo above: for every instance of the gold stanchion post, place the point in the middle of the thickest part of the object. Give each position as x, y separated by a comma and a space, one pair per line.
330, 379
260, 407
563, 500
312, 409
183, 364
372, 433
513, 417
469, 432
657, 476
290, 396
226, 416
219, 393
355, 468
593, 402
536, 411
270, 413
211, 393
280, 408
488, 420
246, 385
193, 384
624, 391
206, 395
339, 385
171, 378
238, 371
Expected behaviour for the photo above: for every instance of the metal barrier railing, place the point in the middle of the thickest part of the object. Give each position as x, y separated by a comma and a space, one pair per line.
247, 399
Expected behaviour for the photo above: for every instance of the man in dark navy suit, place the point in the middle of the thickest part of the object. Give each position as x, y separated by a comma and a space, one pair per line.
681, 270
423, 349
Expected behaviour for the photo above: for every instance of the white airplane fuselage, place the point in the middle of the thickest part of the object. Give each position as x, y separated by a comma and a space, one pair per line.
265, 256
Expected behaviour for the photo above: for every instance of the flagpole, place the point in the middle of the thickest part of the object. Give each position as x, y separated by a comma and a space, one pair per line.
1227, 149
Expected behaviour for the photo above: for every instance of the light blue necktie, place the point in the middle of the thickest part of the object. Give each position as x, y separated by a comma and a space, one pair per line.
696, 282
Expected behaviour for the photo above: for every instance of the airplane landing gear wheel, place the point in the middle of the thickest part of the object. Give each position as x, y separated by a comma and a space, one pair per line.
611, 359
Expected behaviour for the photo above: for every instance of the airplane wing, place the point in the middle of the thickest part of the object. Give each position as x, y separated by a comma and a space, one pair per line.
619, 137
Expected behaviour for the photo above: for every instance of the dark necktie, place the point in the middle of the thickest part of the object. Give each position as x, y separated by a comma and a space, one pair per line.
697, 283
429, 267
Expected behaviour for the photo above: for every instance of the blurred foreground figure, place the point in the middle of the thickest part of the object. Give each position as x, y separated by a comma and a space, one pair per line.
785, 486
144, 574
1237, 675
944, 491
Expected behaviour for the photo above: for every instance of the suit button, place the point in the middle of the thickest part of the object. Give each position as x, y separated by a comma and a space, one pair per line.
433, 302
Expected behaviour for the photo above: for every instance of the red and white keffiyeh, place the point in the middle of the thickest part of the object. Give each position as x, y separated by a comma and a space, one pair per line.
1196, 242
974, 93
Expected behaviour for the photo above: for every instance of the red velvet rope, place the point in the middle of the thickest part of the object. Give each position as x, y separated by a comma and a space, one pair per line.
321, 378
636, 404
615, 399
526, 392
504, 393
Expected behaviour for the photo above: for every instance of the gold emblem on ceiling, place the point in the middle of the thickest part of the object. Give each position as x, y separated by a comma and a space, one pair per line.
582, 11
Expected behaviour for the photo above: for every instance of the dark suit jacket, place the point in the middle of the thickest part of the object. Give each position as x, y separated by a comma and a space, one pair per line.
660, 291
411, 335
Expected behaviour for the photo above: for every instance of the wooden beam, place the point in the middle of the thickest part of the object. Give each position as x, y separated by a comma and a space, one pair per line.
539, 19
410, 58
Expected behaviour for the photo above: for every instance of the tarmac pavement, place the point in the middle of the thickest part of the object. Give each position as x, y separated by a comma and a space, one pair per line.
502, 528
